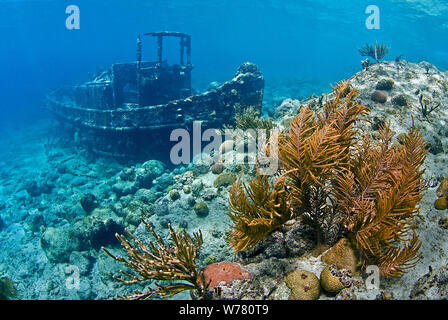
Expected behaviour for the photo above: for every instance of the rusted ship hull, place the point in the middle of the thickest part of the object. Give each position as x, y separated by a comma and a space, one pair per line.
135, 130
213, 107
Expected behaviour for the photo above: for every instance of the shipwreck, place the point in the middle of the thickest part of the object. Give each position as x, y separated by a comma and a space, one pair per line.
131, 108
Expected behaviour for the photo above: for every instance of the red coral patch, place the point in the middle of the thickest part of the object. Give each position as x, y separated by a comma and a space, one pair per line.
224, 271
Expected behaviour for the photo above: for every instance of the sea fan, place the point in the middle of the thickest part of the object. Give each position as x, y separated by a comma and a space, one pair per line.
377, 51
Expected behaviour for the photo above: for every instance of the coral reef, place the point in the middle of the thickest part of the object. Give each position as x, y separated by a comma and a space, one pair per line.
217, 168
379, 96
88, 202
334, 280
45, 227
400, 100
342, 255
223, 272
432, 286
370, 190
201, 209
385, 84
304, 285
224, 179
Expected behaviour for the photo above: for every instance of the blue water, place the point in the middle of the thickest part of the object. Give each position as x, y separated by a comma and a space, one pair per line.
314, 40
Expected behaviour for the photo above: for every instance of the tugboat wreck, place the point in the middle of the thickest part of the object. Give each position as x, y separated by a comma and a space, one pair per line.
131, 108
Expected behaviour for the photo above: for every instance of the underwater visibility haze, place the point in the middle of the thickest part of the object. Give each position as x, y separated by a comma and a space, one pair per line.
275, 150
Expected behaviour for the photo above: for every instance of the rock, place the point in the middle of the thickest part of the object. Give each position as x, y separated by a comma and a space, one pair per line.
88, 202
123, 188
299, 239
196, 187
150, 170
98, 229
174, 194
209, 196
224, 180
378, 123
190, 200
164, 222
146, 196
201, 163
59, 243
224, 273
304, 285
161, 183
342, 255
385, 84
82, 260
32, 188
384, 296
287, 107
161, 207
441, 203
201, 209
401, 100
346, 294
272, 268
435, 145
217, 168
34, 222
379, 96
443, 222
432, 286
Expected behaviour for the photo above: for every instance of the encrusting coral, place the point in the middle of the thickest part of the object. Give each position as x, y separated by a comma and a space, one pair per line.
338, 180
161, 262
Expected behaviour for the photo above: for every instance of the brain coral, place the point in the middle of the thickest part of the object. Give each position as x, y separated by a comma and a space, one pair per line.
304, 285
379, 96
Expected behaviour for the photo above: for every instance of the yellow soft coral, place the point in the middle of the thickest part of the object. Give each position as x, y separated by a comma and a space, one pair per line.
339, 181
